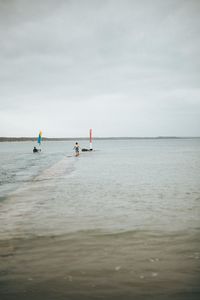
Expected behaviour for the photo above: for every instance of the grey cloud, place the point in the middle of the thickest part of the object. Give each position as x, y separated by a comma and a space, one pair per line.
76, 54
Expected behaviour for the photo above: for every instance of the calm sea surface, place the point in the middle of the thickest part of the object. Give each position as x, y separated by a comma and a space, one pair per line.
121, 222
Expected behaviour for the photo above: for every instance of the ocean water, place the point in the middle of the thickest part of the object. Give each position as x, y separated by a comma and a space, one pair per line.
120, 222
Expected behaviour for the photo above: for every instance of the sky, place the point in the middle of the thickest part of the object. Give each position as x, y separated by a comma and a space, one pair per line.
121, 67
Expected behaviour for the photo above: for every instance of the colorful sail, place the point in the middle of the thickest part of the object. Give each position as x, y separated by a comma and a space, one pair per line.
39, 138
90, 138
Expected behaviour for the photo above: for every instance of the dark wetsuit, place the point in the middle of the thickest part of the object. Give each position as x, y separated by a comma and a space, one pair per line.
77, 149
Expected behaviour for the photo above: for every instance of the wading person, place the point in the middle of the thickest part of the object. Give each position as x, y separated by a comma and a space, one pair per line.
77, 149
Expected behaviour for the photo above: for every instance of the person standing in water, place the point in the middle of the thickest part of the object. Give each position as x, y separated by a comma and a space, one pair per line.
36, 150
77, 149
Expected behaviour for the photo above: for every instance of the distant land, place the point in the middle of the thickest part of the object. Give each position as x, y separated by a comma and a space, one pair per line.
34, 139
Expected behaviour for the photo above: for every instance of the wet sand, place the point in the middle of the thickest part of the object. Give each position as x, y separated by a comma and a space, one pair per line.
102, 265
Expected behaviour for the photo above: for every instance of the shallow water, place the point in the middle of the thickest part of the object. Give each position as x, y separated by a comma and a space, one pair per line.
121, 222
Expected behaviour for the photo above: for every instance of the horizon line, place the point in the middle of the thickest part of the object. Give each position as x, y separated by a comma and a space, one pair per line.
25, 138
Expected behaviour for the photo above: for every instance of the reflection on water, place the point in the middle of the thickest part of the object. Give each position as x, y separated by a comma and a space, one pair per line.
121, 222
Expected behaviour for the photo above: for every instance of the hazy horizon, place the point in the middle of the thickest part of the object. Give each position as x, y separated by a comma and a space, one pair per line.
98, 137
123, 68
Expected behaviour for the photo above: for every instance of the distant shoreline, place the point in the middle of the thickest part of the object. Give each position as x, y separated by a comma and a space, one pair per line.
34, 139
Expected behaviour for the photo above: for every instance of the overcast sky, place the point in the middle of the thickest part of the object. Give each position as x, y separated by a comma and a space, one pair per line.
121, 67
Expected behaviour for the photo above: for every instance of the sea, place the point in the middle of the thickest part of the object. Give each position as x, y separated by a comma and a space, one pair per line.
119, 222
